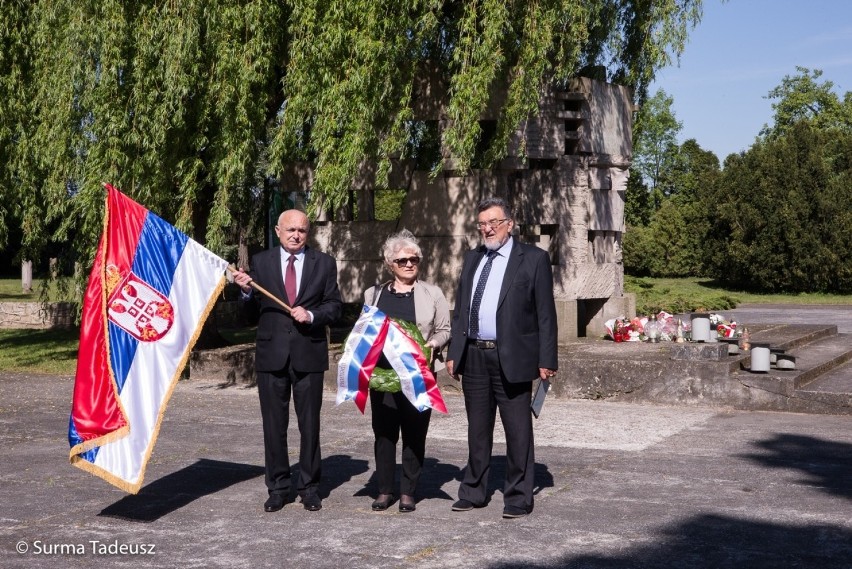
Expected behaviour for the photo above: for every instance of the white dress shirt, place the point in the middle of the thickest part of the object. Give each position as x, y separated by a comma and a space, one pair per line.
488, 307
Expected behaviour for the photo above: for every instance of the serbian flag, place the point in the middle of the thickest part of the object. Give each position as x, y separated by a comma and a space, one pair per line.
149, 292
375, 334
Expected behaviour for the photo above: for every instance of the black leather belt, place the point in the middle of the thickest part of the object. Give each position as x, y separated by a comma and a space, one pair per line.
483, 344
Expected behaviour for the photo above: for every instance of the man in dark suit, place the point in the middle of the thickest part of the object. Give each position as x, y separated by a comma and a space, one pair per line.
292, 352
503, 337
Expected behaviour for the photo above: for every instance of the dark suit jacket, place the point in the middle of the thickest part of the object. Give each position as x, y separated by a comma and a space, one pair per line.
526, 313
280, 337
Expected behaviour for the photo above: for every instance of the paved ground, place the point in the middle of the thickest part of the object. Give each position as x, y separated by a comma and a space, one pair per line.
618, 486
840, 315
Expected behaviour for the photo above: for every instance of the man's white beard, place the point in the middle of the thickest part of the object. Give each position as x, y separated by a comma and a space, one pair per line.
494, 245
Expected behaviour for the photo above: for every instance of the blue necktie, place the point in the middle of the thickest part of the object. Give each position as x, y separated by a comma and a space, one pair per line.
477, 296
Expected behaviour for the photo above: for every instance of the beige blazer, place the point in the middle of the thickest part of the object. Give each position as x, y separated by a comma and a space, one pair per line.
432, 312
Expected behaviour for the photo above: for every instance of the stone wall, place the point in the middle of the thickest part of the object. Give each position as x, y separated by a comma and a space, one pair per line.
35, 315
566, 189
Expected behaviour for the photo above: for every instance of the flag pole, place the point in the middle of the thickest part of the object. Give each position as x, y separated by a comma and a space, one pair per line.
262, 290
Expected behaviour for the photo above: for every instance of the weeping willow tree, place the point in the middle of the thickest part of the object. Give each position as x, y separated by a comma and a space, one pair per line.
193, 106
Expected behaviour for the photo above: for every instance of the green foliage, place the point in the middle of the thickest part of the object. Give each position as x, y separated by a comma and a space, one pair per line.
677, 296
638, 206
695, 171
655, 141
669, 246
167, 101
384, 379
804, 97
193, 108
672, 242
388, 206
783, 221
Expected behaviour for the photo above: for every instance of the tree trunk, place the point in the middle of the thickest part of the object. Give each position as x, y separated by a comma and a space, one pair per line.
26, 277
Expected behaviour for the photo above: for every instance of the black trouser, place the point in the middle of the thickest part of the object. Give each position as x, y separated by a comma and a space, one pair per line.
274, 390
393, 413
485, 390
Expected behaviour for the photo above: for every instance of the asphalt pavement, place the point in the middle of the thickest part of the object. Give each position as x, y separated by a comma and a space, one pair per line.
617, 486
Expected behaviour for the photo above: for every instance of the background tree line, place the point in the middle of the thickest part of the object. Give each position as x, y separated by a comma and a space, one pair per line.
775, 218
195, 107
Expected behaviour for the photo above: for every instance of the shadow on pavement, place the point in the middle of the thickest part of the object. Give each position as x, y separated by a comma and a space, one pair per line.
180, 488
337, 470
719, 542
436, 475
827, 464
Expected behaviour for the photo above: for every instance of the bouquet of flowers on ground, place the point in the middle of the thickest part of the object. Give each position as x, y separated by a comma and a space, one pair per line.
623, 329
668, 326
724, 329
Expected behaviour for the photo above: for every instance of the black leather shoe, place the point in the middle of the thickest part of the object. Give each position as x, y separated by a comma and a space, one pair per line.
463, 506
382, 503
512, 512
274, 503
407, 503
312, 503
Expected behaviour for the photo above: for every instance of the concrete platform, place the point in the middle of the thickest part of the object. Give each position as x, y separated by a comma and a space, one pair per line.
639, 372
618, 485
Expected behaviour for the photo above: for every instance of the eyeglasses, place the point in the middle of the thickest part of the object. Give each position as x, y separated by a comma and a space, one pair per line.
493, 224
406, 261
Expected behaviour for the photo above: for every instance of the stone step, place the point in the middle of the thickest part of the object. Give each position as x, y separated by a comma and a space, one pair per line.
820, 357
831, 389
817, 384
815, 344
836, 381
791, 336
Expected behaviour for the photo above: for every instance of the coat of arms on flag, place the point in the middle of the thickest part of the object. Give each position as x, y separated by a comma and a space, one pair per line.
137, 308
150, 289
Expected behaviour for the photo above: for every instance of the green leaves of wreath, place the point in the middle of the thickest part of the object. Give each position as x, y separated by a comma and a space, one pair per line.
386, 379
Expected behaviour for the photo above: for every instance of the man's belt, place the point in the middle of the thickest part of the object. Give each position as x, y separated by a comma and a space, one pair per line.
483, 344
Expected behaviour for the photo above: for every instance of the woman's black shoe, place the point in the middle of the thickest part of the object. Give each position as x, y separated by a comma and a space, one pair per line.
383, 502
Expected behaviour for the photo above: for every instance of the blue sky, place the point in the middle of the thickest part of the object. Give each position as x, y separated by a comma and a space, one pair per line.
740, 51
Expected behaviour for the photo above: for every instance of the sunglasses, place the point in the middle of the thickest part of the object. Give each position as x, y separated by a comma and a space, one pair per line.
406, 261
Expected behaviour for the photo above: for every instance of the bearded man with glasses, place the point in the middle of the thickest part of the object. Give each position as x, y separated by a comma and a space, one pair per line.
503, 337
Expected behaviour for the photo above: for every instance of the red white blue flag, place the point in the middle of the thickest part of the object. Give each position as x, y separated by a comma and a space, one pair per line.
149, 292
375, 334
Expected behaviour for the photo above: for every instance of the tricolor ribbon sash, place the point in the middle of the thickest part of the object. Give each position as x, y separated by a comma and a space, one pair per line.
375, 334
149, 292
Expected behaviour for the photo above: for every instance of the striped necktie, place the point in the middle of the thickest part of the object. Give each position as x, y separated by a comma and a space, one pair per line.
478, 294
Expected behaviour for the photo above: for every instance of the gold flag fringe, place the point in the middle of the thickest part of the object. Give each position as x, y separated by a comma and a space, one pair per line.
75, 459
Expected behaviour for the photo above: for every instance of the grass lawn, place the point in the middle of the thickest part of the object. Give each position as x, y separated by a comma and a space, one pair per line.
697, 294
39, 351
10, 291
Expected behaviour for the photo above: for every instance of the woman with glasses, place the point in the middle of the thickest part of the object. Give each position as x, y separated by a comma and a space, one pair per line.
406, 298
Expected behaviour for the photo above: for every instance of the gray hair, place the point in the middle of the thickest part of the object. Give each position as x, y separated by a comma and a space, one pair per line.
488, 203
403, 239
